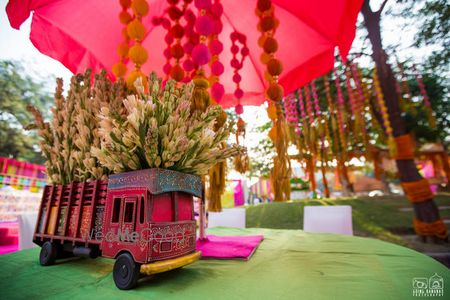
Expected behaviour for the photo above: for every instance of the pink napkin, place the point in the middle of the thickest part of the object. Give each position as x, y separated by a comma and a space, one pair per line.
229, 247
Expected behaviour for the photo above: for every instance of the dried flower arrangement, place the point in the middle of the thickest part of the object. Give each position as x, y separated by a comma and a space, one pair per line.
101, 130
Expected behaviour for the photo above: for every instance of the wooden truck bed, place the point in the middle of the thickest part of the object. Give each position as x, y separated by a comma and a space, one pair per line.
72, 212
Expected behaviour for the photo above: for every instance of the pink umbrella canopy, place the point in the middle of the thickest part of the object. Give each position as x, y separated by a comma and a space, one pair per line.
85, 34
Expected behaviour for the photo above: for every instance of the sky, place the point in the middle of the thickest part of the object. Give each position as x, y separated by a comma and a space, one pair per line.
16, 45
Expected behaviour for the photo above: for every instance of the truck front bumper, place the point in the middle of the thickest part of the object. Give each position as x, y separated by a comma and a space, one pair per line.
170, 264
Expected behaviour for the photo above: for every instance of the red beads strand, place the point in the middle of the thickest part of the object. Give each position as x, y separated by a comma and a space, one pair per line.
215, 48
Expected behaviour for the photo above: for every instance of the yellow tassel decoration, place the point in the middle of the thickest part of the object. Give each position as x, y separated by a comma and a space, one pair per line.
217, 176
200, 96
281, 172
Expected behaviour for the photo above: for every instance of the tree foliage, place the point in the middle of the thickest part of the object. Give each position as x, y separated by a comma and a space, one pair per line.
16, 92
261, 163
431, 18
439, 99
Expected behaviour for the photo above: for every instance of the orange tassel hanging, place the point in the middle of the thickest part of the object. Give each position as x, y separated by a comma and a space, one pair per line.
242, 161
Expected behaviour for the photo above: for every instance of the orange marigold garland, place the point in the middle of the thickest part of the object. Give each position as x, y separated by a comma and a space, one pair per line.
267, 25
120, 69
354, 106
384, 113
136, 31
340, 109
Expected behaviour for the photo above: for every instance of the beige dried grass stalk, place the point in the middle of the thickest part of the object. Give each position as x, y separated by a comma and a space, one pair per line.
100, 130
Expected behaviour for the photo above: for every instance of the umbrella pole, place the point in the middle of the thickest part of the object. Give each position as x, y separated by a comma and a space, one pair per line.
202, 235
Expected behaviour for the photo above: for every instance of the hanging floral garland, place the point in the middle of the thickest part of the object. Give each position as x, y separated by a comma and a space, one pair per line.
175, 35
290, 109
191, 39
120, 69
361, 102
316, 99
216, 47
384, 113
355, 106
299, 120
321, 124
426, 100
340, 116
309, 106
201, 56
241, 162
267, 25
291, 113
136, 31
301, 104
405, 92
332, 112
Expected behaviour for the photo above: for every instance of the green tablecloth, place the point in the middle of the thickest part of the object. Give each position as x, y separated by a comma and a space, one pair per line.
289, 264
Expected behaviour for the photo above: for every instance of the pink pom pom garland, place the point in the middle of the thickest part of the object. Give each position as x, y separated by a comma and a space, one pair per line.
309, 106
426, 100
217, 90
190, 41
315, 98
236, 64
215, 12
290, 109
200, 55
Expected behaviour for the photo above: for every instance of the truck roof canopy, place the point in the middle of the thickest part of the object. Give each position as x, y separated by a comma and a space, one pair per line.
157, 181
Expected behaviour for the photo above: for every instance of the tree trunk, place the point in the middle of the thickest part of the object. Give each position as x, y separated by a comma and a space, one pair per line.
425, 211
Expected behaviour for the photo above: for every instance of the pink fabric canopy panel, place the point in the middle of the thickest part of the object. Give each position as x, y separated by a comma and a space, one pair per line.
85, 34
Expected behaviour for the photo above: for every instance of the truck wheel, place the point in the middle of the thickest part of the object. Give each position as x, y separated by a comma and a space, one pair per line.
126, 272
48, 254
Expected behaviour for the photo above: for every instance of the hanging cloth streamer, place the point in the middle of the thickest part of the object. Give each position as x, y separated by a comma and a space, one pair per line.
436, 228
405, 147
417, 191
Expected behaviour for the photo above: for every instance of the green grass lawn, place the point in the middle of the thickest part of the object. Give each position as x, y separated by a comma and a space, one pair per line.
377, 217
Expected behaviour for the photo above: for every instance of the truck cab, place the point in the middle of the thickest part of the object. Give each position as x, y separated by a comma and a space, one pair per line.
150, 227
143, 219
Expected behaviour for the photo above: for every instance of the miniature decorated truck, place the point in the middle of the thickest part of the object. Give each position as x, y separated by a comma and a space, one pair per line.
143, 219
